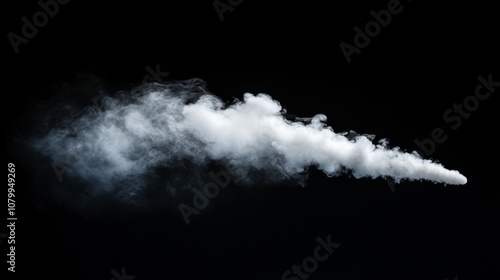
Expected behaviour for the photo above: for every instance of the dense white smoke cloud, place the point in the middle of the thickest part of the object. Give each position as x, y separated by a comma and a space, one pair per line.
128, 134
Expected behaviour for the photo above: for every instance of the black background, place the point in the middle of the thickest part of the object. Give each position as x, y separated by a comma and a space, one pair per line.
398, 87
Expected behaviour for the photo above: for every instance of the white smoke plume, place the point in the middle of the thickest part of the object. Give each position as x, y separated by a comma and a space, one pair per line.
128, 134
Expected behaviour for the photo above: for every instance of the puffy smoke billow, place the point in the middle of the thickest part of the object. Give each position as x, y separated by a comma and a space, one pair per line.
123, 137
